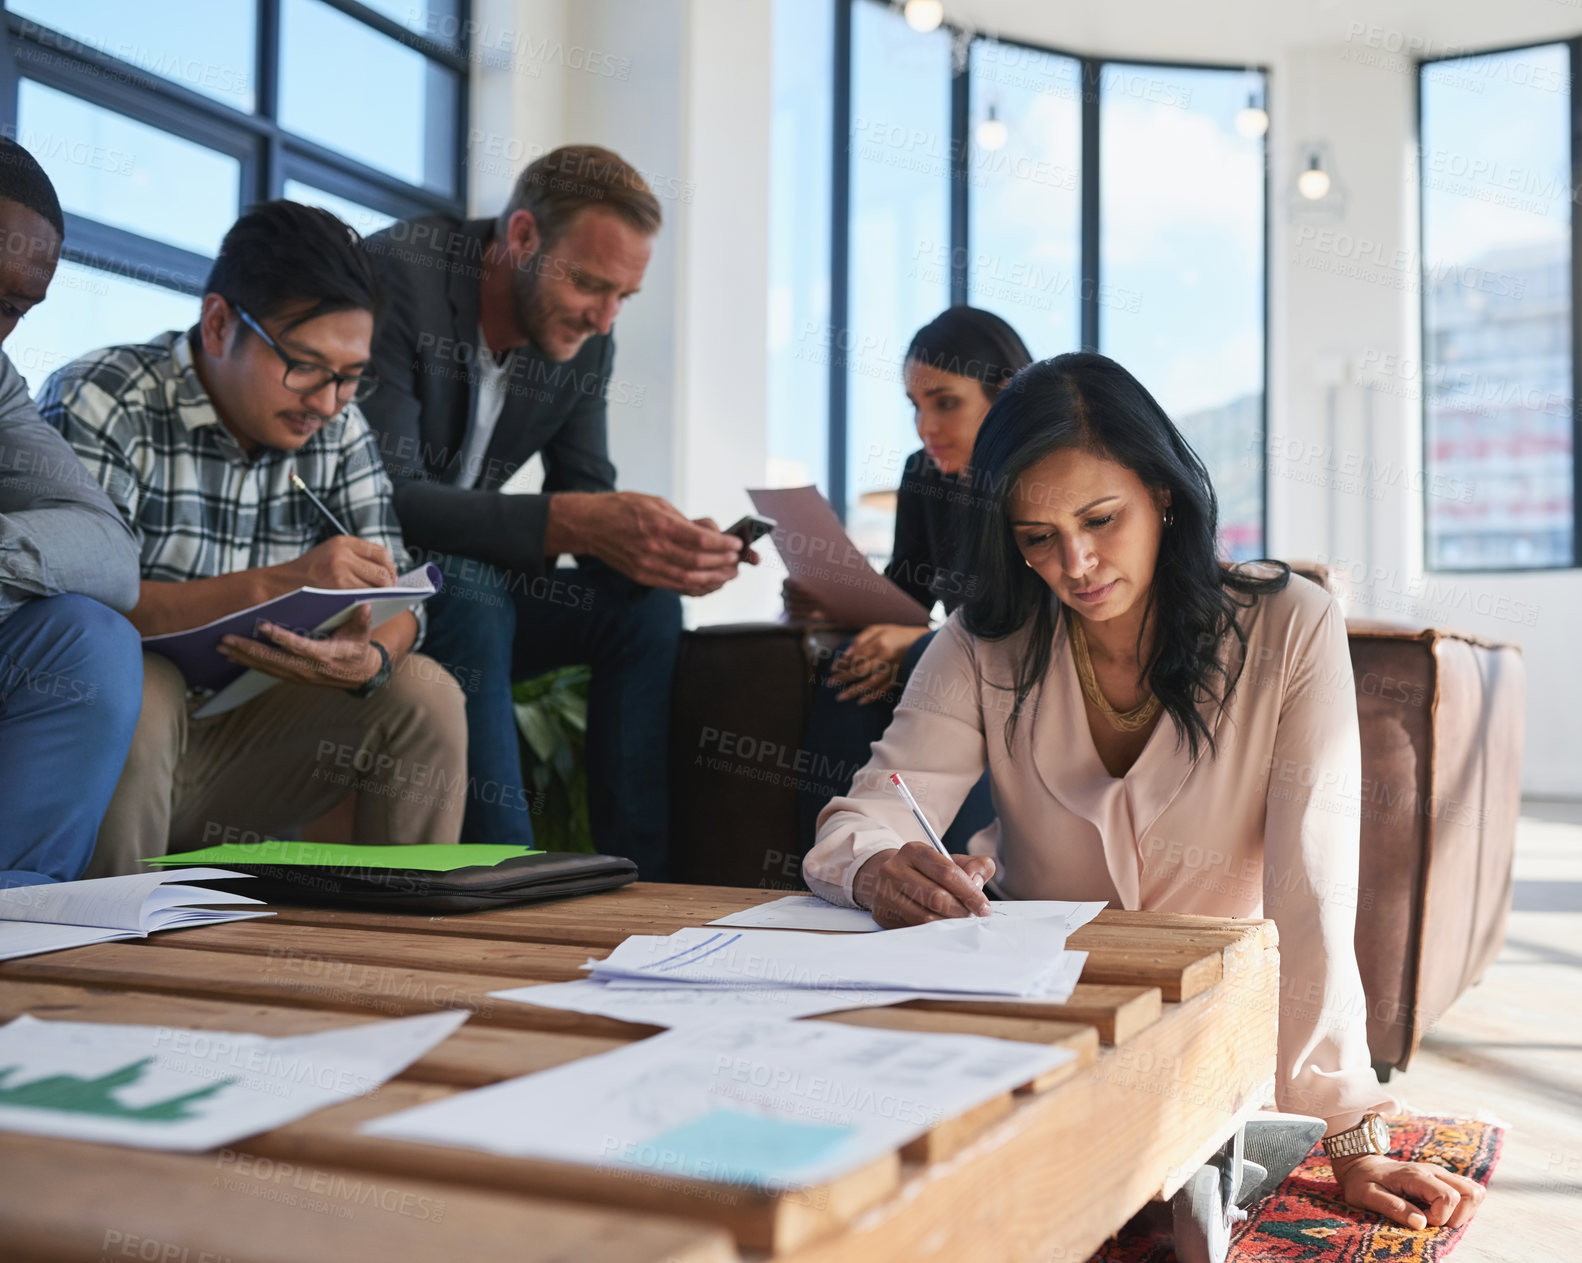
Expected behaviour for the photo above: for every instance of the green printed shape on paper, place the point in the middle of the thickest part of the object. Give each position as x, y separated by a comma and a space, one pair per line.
733, 1147
69, 1094
427, 858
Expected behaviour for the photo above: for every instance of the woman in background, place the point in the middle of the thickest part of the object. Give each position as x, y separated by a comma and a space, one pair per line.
955, 367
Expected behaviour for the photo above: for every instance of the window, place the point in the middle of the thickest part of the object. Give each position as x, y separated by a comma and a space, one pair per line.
1024, 184
1181, 266
1089, 203
1498, 371
899, 250
160, 120
800, 344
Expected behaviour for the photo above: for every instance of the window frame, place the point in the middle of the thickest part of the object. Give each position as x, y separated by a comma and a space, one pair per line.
960, 210
1573, 48
268, 153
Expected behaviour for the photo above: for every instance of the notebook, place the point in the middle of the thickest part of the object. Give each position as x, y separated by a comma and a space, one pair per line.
317, 610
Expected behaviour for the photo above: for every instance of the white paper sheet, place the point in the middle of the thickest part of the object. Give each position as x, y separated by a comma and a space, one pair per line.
53, 916
160, 1087
1054, 987
820, 556
809, 912
999, 955
656, 1004
768, 1104
31, 938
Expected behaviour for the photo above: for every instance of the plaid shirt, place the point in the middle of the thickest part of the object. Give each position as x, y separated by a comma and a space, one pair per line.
141, 421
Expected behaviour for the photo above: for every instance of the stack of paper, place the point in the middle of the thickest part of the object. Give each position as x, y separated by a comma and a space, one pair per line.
762, 1103
55, 916
707, 975
165, 1087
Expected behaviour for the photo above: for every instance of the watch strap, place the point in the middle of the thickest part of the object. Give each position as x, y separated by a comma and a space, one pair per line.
377, 680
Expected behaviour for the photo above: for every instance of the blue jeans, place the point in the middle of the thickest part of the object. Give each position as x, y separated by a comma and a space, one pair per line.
839, 736
71, 686
490, 627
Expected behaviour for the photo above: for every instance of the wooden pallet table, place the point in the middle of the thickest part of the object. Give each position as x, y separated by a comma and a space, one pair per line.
1173, 1027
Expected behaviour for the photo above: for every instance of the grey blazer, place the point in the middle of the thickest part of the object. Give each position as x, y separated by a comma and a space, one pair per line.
425, 351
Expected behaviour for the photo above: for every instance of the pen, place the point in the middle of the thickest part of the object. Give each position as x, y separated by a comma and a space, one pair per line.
317, 503
928, 829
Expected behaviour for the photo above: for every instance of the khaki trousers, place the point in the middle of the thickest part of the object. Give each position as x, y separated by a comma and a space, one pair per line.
272, 765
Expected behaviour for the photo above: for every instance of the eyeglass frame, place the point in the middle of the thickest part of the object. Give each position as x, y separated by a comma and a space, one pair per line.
291, 363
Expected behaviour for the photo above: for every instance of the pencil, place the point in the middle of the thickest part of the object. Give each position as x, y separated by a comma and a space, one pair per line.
317, 503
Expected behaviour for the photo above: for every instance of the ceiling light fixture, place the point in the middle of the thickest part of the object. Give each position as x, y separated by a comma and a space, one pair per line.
1313, 184
1252, 121
924, 16
992, 133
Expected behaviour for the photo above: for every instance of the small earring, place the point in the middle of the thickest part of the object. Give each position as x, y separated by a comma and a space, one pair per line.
1027, 563
1169, 516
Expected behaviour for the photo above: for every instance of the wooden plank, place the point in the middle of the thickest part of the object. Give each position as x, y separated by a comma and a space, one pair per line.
311, 983
471, 1057
1118, 1013
1067, 1167
1232, 927
758, 1219
310, 944
596, 920
64, 1202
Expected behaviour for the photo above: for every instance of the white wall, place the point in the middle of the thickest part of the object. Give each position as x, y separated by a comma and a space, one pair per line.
680, 89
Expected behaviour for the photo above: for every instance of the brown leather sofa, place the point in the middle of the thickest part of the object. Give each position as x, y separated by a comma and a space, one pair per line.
1442, 722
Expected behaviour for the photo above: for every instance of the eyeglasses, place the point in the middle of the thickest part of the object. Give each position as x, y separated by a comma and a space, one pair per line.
303, 377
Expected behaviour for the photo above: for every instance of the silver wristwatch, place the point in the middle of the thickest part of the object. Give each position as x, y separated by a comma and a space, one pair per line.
1371, 1135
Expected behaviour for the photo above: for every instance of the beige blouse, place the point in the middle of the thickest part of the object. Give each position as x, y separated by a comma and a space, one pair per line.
1266, 826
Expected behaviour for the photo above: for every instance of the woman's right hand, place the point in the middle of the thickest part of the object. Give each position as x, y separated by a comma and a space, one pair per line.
799, 603
915, 883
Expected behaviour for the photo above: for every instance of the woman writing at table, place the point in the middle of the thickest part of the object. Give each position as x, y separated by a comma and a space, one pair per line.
1160, 731
955, 366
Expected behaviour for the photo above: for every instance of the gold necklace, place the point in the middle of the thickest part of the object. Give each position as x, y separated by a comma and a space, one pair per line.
1126, 721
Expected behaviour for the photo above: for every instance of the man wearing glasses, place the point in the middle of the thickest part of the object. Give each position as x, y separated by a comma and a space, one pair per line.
196, 437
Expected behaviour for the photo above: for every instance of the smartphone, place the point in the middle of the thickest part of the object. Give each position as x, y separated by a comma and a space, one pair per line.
751, 528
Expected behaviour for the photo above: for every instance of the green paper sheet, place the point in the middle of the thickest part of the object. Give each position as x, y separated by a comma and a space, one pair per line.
431, 859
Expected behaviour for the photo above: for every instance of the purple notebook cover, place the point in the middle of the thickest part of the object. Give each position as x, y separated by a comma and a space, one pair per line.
196, 651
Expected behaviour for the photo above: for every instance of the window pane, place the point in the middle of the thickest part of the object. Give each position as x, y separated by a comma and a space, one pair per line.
1024, 195
353, 90
1495, 170
900, 188
799, 202
206, 46
1181, 267
87, 309
436, 19
127, 174
365, 219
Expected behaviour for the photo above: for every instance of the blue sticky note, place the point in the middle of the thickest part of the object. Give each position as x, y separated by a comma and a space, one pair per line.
732, 1147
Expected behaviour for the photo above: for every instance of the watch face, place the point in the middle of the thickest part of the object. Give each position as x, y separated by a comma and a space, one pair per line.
1379, 1133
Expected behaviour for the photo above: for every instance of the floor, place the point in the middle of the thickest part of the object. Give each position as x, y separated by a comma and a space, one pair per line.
1511, 1049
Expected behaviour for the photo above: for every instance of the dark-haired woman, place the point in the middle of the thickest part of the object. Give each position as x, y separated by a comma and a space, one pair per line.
954, 367
1160, 731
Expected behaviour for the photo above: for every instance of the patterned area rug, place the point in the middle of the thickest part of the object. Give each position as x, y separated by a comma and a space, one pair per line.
1303, 1221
